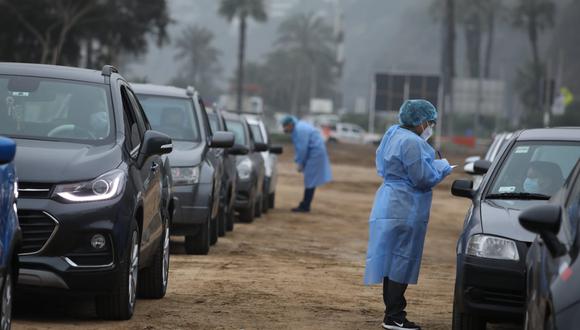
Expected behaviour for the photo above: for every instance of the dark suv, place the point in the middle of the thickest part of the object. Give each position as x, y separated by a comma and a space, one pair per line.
230, 175
250, 169
490, 285
94, 191
196, 169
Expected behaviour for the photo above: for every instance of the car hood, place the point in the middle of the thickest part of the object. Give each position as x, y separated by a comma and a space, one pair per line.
54, 162
500, 217
185, 154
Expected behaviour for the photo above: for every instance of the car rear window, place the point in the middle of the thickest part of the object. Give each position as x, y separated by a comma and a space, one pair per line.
237, 128
171, 115
536, 167
55, 109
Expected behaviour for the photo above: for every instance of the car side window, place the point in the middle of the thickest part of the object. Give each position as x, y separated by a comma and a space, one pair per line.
139, 114
132, 133
573, 209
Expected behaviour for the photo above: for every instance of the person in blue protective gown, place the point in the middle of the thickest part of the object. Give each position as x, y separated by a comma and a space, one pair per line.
398, 220
310, 156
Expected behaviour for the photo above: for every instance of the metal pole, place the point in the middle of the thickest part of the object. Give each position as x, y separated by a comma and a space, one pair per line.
372, 107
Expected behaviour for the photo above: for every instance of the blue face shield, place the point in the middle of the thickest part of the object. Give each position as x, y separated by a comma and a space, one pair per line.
531, 185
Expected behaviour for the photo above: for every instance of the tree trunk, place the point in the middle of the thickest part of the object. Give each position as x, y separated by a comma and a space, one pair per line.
241, 53
533, 35
448, 63
313, 81
489, 46
473, 44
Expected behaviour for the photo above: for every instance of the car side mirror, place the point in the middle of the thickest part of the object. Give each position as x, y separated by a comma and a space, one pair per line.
7, 150
238, 150
222, 140
462, 188
472, 159
260, 147
276, 150
481, 166
545, 220
156, 143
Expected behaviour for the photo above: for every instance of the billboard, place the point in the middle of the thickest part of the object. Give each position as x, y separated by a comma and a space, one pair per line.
392, 89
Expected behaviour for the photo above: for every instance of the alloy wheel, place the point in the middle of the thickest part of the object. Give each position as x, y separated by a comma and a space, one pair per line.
133, 269
166, 256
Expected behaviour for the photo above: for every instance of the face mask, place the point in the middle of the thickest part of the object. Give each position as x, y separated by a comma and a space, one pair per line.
427, 133
531, 185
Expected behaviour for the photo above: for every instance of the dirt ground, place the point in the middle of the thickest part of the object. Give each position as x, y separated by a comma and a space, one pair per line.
287, 271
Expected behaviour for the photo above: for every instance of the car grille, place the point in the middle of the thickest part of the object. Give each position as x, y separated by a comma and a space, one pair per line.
37, 229
34, 190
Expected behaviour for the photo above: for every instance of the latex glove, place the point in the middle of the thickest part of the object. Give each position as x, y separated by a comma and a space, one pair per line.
299, 168
442, 165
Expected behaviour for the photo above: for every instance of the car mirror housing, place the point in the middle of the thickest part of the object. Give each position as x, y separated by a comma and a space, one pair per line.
276, 150
481, 166
156, 143
222, 140
260, 147
545, 220
462, 188
7, 150
238, 150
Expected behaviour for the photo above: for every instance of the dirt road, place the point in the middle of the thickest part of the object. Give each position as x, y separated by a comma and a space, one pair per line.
287, 271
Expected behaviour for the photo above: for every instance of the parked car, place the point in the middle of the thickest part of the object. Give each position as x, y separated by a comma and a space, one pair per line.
490, 281
349, 133
499, 142
196, 170
552, 265
261, 135
10, 230
250, 168
94, 193
230, 173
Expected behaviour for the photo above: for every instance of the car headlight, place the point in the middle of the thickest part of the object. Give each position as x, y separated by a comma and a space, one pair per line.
492, 247
185, 175
106, 186
244, 169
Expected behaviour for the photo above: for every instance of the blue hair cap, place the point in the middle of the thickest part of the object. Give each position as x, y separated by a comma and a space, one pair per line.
415, 112
289, 120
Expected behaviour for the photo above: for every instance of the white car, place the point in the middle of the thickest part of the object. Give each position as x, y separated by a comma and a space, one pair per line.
351, 133
260, 133
499, 141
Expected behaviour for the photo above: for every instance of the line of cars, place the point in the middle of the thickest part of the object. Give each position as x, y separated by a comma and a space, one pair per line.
506, 272
107, 171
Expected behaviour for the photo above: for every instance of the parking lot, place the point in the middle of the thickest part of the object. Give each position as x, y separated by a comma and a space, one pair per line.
286, 270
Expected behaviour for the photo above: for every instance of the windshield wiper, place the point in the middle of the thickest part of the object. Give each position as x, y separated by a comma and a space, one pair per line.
518, 195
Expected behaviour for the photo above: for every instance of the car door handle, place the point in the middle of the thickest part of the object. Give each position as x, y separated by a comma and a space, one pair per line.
154, 167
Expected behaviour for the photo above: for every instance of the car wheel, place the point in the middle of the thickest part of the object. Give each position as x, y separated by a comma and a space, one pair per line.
247, 215
120, 304
272, 200
549, 324
214, 231
265, 203
230, 213
153, 280
7, 295
199, 244
463, 321
258, 207
222, 220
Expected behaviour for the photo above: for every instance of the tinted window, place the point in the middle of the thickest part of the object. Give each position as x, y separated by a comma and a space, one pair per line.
54, 109
172, 116
536, 167
237, 128
213, 122
257, 133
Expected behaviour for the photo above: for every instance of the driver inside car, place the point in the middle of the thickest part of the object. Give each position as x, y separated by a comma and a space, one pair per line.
543, 178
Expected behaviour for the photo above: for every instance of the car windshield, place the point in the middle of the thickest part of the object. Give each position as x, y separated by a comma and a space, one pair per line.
213, 122
535, 170
55, 110
257, 133
237, 128
172, 116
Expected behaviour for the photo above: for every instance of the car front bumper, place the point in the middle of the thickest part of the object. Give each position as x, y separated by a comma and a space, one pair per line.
493, 289
243, 194
193, 205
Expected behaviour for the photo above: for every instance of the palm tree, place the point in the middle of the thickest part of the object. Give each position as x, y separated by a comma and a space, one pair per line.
242, 10
201, 57
311, 38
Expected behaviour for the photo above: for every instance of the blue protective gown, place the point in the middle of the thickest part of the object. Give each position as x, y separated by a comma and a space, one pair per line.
398, 221
311, 155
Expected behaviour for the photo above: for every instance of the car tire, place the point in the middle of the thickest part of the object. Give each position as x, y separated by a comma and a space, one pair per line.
153, 280
258, 207
272, 200
247, 215
120, 304
198, 244
463, 321
214, 231
265, 203
7, 300
222, 220
230, 215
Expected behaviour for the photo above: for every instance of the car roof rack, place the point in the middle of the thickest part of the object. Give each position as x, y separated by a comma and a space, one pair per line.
190, 90
108, 70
